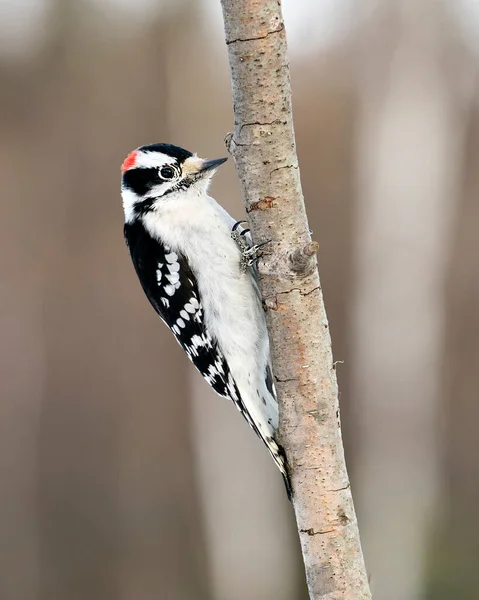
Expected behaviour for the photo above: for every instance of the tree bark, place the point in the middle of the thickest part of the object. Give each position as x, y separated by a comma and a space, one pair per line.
264, 151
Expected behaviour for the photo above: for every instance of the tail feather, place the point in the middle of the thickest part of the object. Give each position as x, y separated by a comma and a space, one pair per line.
279, 457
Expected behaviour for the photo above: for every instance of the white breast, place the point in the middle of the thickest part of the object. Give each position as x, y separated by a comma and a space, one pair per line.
196, 226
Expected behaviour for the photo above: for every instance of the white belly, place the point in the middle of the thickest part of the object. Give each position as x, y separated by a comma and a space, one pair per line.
200, 229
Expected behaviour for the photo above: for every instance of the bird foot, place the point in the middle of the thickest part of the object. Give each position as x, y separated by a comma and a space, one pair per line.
250, 254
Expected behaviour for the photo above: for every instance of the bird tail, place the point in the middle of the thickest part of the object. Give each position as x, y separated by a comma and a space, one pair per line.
279, 457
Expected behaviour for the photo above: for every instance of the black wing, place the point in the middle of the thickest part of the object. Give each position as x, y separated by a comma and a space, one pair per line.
171, 288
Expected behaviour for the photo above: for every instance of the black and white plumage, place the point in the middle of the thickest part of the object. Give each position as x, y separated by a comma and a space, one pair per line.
192, 271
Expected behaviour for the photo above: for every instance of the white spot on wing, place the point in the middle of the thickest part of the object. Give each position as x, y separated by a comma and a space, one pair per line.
169, 289
197, 341
172, 257
194, 302
174, 267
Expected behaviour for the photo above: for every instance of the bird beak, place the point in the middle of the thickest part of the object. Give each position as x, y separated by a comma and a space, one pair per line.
195, 167
208, 165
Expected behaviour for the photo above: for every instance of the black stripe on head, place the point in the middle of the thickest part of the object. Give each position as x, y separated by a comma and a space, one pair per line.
141, 180
174, 151
142, 208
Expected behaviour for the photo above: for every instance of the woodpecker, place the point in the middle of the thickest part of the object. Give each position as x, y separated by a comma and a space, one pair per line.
196, 265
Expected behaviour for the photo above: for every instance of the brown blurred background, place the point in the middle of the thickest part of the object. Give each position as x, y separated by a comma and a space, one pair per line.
122, 477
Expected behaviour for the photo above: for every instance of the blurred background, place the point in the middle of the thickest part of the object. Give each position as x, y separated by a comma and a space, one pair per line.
122, 476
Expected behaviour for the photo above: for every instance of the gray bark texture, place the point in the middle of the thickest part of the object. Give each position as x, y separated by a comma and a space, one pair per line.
264, 150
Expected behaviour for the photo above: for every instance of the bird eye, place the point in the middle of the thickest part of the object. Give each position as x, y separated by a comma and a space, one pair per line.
167, 173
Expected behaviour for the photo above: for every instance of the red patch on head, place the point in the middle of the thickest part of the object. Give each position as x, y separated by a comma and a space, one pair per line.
129, 161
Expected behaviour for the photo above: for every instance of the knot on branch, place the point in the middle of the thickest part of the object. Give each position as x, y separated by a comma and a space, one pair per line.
228, 141
264, 204
303, 260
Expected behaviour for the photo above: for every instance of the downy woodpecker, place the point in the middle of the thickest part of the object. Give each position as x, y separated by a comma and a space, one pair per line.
197, 268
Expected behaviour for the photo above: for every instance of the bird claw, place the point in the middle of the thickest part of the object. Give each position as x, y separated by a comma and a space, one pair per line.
249, 254
236, 225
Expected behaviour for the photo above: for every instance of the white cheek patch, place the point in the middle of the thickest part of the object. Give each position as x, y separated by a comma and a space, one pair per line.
129, 200
160, 190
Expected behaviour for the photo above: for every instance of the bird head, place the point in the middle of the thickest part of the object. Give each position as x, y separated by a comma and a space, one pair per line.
155, 174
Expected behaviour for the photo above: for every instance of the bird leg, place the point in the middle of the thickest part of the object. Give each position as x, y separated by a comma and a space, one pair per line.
250, 254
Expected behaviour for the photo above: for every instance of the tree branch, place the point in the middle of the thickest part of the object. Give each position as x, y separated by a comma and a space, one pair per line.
264, 151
